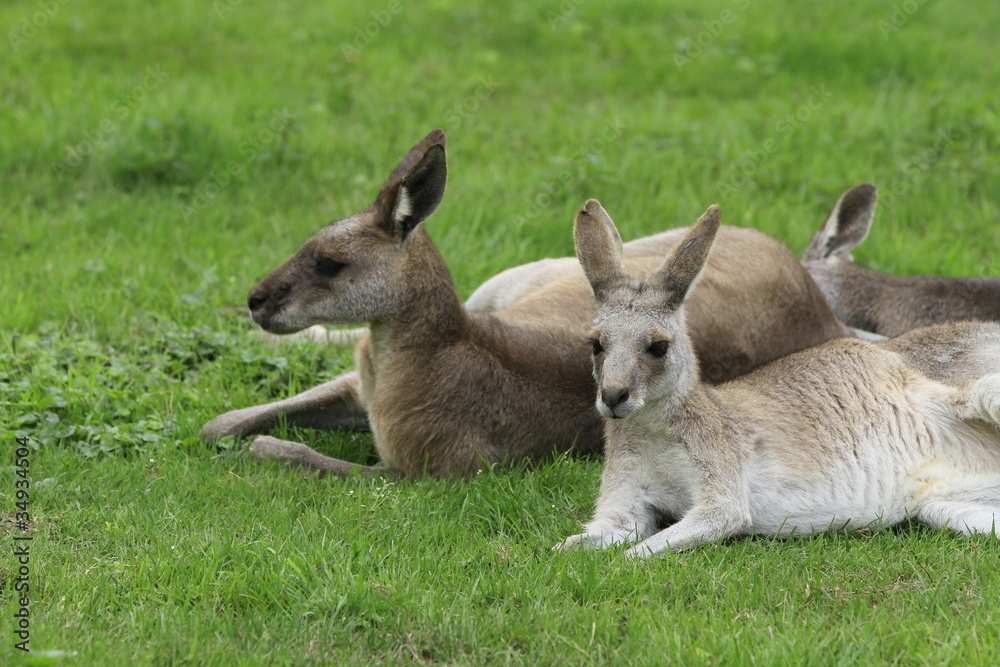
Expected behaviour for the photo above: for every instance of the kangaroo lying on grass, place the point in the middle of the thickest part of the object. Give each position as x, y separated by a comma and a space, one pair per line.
847, 433
447, 392
880, 302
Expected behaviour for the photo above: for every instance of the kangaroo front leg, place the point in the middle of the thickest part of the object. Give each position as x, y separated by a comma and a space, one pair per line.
606, 531
295, 453
331, 405
624, 511
721, 508
702, 524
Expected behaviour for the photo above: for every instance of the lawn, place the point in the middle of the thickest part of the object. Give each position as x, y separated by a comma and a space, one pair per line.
157, 159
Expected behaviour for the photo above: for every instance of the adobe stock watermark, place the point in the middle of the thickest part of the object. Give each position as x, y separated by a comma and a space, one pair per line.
692, 49
470, 104
572, 174
21, 570
110, 125
915, 166
365, 34
29, 26
224, 8
209, 189
751, 161
556, 17
900, 14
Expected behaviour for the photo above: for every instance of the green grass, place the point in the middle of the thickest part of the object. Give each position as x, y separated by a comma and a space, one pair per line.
158, 159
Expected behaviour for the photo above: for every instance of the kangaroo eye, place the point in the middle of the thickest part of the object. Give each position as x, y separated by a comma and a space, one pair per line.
329, 267
658, 348
595, 344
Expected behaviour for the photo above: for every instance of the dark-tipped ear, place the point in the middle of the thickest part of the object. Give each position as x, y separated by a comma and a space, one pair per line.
414, 188
846, 226
599, 248
682, 269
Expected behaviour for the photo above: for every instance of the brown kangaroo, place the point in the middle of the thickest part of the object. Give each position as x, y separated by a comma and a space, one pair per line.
446, 391
880, 302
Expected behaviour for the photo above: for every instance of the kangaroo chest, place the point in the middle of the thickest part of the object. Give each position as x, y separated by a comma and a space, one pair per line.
368, 371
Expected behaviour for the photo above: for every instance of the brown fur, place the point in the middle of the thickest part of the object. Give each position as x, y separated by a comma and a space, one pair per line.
880, 302
448, 392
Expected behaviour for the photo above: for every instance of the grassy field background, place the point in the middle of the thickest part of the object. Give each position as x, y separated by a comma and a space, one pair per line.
156, 159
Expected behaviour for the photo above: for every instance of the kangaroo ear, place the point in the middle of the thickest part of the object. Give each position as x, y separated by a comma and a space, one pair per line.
683, 268
846, 226
414, 188
599, 248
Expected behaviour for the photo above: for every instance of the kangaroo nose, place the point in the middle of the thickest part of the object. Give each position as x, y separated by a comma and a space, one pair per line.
256, 299
614, 396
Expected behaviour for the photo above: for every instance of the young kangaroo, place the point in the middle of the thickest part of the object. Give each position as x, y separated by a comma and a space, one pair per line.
446, 391
880, 302
845, 434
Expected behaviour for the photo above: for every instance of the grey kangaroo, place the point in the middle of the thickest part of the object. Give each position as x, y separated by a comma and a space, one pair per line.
844, 434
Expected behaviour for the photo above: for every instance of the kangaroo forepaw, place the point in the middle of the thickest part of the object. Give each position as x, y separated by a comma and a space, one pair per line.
593, 541
581, 541
639, 551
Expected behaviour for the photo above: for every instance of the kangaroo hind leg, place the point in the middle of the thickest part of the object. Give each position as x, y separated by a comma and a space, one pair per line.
295, 453
967, 503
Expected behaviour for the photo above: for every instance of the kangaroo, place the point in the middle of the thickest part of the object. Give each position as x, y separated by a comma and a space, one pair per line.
846, 434
446, 391
879, 302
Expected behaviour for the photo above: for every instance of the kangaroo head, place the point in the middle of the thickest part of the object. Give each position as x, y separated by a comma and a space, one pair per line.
845, 228
641, 347
350, 271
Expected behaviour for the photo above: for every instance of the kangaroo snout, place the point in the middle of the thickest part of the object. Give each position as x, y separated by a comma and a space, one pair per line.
615, 402
614, 396
256, 299
265, 304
